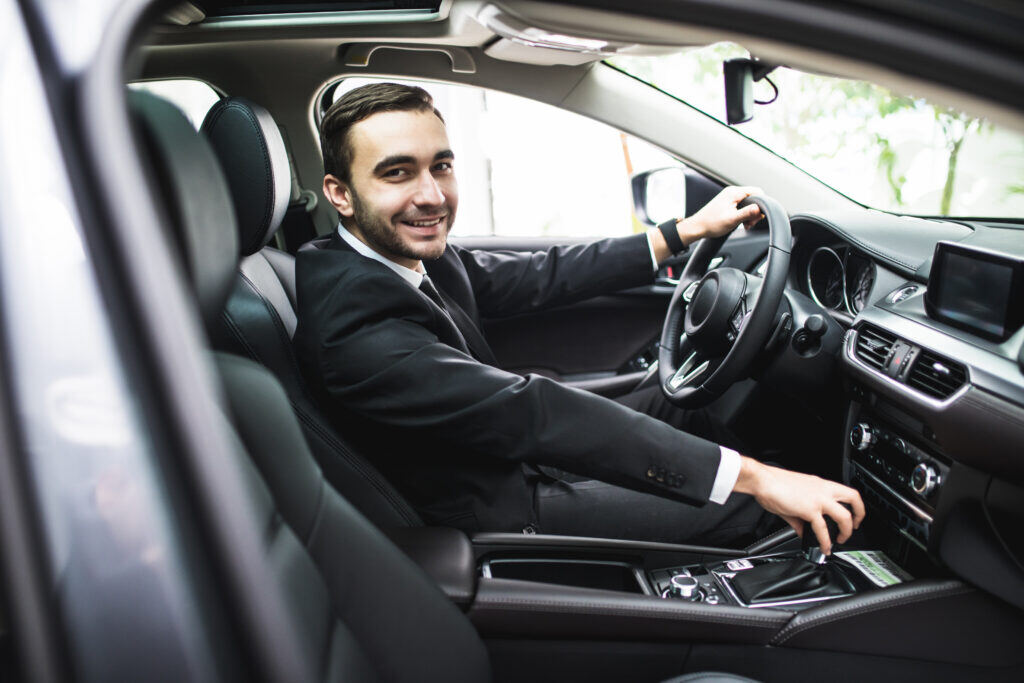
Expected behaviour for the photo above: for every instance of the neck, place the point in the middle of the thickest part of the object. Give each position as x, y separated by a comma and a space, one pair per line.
411, 264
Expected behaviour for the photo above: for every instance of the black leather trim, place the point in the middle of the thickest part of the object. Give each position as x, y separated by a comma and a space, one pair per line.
509, 608
604, 544
933, 620
763, 545
445, 554
255, 161
283, 264
925, 590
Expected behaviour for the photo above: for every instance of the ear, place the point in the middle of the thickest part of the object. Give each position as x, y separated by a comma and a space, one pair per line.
339, 195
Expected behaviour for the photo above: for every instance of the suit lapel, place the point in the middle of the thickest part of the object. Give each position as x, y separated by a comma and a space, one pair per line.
478, 346
460, 327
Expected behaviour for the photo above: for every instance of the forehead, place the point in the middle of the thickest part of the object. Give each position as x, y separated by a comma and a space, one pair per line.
405, 133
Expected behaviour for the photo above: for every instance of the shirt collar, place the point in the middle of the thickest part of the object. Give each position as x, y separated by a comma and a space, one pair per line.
413, 277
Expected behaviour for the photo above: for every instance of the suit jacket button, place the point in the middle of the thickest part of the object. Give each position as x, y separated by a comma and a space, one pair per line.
650, 473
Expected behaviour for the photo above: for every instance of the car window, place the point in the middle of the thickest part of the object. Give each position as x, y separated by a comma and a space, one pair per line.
192, 96
527, 169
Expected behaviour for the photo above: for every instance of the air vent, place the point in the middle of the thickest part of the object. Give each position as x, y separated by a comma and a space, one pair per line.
874, 346
936, 376
902, 294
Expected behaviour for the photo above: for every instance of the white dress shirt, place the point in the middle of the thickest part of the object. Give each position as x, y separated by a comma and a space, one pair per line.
728, 465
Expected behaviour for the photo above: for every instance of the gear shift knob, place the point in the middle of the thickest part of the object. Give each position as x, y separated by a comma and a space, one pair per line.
810, 546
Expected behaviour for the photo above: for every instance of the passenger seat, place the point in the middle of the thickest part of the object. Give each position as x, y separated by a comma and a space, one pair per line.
259, 319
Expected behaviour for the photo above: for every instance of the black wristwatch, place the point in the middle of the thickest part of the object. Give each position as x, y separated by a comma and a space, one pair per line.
671, 234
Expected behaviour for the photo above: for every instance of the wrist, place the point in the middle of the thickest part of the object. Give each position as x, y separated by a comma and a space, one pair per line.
690, 230
750, 476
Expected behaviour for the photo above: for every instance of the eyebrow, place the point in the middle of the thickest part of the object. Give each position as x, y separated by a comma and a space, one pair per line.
398, 159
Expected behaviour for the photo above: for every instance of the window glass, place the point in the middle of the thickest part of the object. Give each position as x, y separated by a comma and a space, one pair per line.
527, 169
191, 96
889, 150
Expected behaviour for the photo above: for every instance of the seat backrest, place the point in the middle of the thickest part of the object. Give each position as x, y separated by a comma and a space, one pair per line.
259, 319
361, 610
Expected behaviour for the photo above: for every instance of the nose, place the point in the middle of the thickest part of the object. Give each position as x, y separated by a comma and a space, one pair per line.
428, 191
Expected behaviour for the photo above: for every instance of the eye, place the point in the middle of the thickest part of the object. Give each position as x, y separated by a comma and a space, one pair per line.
443, 167
394, 173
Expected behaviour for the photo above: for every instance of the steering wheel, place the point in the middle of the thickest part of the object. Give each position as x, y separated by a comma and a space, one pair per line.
709, 341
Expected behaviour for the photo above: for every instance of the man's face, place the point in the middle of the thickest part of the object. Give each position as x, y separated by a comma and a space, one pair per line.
402, 196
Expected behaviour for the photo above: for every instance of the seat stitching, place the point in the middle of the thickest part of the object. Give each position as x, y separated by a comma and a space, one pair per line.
858, 609
319, 507
852, 238
375, 479
278, 324
602, 608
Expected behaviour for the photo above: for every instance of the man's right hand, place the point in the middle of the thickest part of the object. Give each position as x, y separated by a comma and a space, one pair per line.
799, 498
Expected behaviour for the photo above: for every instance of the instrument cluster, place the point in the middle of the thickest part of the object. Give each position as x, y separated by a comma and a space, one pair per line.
840, 279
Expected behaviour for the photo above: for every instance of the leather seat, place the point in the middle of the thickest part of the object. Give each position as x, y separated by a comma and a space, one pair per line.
259, 319
355, 601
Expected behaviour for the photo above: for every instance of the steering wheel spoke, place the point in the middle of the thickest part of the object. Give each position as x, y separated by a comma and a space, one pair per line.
692, 372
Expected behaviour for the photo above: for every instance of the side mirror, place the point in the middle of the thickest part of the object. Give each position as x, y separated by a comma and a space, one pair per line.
673, 192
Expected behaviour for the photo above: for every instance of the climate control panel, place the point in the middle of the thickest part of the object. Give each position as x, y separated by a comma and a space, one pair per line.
896, 477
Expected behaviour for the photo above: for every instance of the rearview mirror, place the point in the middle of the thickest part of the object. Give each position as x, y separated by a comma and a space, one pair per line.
739, 90
740, 76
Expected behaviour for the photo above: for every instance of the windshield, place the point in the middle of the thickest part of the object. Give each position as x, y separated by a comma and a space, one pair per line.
885, 150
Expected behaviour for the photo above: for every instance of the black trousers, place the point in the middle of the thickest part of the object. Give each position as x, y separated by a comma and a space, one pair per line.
574, 506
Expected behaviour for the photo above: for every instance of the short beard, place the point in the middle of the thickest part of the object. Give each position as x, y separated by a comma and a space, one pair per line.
381, 234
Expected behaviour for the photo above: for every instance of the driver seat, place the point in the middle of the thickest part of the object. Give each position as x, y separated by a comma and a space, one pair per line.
259, 319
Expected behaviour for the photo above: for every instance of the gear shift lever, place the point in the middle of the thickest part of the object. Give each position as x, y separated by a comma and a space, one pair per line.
810, 547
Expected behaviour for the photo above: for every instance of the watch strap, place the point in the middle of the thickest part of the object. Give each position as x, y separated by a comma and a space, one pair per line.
671, 234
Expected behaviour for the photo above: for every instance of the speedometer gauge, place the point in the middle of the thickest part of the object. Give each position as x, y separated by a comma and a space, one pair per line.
826, 279
861, 282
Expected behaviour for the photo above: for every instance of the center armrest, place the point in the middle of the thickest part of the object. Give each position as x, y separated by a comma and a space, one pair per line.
446, 555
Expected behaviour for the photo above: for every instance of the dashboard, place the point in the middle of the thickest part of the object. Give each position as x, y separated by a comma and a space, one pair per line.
934, 431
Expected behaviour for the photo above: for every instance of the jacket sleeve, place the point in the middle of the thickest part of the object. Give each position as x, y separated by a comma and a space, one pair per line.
385, 364
508, 282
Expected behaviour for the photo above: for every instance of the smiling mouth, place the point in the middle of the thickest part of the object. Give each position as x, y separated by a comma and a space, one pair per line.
425, 223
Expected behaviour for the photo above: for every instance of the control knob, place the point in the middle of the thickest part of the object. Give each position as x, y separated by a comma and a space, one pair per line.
924, 479
862, 436
684, 587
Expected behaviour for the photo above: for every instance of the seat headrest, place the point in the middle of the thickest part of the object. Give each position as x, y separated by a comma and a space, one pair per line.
196, 197
255, 162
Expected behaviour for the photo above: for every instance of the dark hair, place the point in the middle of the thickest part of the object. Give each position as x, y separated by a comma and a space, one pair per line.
359, 104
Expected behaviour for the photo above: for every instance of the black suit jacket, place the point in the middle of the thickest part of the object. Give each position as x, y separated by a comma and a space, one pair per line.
396, 376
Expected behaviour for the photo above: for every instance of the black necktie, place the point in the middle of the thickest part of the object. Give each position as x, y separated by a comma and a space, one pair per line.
474, 339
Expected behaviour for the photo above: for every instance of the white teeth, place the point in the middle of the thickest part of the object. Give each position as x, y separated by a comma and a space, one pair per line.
424, 224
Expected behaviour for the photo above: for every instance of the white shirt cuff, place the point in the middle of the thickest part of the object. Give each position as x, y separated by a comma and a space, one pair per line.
650, 246
728, 473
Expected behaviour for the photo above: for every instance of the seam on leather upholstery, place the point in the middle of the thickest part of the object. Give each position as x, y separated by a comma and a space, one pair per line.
606, 608
307, 539
857, 241
770, 537
278, 324
372, 477
236, 332
859, 608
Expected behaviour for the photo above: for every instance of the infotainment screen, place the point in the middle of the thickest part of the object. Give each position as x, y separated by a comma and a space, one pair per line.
976, 290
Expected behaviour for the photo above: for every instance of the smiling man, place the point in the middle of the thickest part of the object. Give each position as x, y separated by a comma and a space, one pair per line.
389, 339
